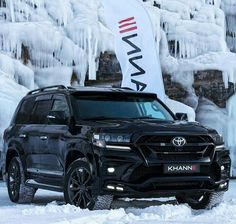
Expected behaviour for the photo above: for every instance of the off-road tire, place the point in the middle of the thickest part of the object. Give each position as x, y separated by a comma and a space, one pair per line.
208, 200
78, 189
1, 174
21, 193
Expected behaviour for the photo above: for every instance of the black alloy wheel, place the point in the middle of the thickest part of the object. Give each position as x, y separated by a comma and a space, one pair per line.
14, 180
79, 186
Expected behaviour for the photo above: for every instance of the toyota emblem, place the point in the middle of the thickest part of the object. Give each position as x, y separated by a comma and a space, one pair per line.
179, 141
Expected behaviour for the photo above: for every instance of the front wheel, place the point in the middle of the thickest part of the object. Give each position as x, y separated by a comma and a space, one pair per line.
201, 201
78, 188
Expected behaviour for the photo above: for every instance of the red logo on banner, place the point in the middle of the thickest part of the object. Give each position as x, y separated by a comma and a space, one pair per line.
127, 25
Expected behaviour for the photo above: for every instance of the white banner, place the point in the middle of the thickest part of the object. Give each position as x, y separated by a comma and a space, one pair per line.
136, 50
138, 56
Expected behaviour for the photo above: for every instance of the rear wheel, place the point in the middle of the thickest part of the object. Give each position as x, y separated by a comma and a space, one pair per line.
1, 173
78, 189
201, 201
17, 190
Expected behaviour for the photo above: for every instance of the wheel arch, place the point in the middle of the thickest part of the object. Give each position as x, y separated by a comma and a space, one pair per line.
74, 155
11, 153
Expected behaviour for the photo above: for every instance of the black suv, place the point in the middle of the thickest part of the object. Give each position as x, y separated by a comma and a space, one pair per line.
94, 144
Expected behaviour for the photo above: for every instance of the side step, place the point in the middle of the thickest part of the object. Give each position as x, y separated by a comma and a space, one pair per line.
35, 184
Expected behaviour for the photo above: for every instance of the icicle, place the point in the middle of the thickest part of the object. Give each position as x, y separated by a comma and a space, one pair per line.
176, 42
182, 48
226, 79
11, 8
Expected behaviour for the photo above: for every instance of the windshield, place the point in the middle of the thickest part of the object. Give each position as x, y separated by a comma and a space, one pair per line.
119, 107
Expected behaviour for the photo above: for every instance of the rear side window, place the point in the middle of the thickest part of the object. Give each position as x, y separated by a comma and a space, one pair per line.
40, 112
61, 105
23, 115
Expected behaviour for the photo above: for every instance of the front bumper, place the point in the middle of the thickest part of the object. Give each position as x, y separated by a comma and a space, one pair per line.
134, 177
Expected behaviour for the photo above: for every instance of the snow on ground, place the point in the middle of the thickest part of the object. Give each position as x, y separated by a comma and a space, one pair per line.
48, 208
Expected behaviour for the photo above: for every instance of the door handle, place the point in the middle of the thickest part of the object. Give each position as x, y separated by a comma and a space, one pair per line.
43, 138
23, 136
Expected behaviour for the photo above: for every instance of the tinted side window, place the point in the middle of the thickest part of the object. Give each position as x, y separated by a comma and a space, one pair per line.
23, 115
40, 112
61, 105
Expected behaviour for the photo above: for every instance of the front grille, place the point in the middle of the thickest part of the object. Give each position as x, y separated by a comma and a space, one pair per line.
168, 138
161, 147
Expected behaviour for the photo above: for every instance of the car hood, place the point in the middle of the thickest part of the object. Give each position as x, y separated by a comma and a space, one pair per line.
149, 126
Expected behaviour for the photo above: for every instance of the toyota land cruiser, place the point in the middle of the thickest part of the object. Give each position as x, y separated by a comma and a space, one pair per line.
94, 144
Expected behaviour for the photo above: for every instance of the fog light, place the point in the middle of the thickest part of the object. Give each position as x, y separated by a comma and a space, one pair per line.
119, 188
110, 187
111, 170
222, 168
224, 185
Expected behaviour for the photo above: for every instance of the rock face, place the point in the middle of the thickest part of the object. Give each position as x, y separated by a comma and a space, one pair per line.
174, 90
208, 84
109, 71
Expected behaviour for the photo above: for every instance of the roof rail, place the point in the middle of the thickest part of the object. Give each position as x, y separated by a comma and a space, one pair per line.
126, 88
119, 87
70, 87
46, 89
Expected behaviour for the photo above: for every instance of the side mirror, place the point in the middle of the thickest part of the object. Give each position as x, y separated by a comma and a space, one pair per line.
181, 116
57, 117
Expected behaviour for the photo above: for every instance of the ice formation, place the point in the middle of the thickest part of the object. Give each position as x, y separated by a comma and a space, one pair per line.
229, 7
45, 42
62, 33
10, 95
223, 120
195, 32
231, 130
16, 71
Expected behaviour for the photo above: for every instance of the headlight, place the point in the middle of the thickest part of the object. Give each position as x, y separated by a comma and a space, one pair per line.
98, 141
218, 139
101, 140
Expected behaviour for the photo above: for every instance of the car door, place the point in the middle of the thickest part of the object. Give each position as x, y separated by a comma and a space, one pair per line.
33, 132
25, 132
55, 143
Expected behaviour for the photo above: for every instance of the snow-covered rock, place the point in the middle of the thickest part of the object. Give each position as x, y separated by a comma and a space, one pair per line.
10, 95
16, 71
